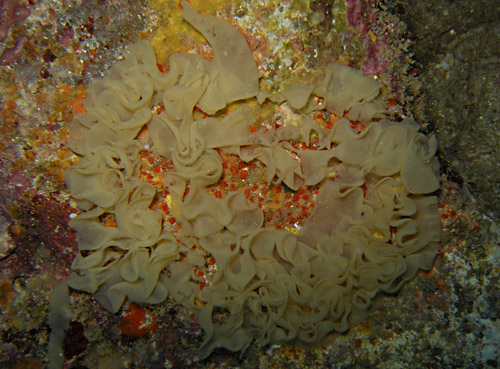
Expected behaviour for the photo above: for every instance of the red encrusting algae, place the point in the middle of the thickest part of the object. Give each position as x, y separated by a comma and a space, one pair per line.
137, 322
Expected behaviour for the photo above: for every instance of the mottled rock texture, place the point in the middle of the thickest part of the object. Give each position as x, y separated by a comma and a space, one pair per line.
458, 49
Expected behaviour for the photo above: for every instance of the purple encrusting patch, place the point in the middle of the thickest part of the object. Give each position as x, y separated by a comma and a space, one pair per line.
360, 15
10, 13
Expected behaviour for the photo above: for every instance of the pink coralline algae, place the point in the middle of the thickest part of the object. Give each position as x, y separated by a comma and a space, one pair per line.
374, 62
361, 16
10, 13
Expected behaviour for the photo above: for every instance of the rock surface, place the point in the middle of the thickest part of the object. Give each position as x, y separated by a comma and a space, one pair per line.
458, 47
